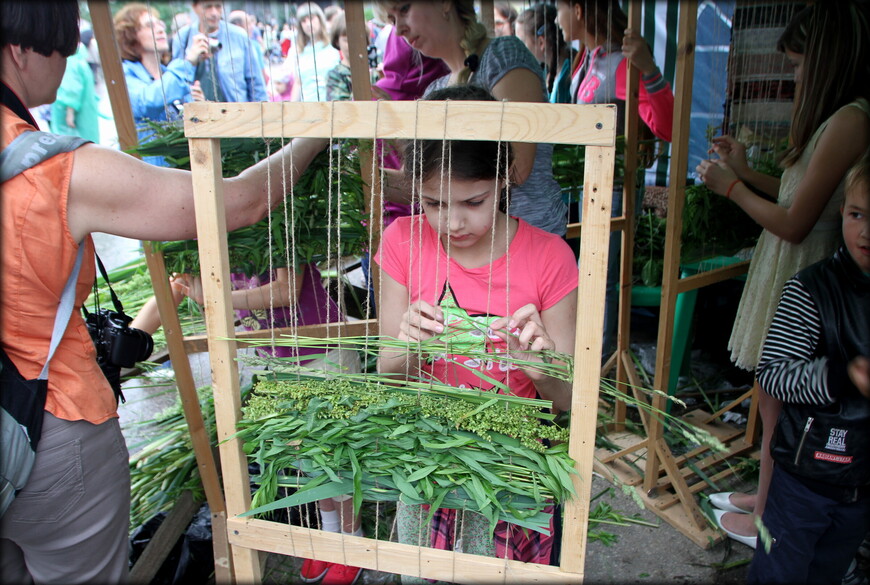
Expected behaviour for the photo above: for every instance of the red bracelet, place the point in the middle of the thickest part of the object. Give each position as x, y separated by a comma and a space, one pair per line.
731, 187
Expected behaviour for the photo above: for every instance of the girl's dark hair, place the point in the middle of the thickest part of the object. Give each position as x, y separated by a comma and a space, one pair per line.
834, 38
45, 27
472, 160
603, 18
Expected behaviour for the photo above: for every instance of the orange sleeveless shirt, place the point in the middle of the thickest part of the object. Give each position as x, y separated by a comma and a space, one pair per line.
37, 253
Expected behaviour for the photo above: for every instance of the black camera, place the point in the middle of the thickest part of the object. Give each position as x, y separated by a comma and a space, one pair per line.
118, 345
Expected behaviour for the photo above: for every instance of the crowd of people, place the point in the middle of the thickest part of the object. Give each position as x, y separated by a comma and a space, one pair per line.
802, 325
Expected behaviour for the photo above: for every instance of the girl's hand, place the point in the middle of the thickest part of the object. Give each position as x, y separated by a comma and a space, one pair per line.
196, 92
859, 373
635, 49
531, 339
420, 322
191, 286
198, 49
717, 175
731, 152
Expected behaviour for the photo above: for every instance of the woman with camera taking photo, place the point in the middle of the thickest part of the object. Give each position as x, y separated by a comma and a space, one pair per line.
156, 88
69, 522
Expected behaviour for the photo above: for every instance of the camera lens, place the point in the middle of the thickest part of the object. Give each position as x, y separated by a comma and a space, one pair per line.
215, 45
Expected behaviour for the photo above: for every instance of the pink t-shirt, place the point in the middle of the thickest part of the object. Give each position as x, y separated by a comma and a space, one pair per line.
539, 268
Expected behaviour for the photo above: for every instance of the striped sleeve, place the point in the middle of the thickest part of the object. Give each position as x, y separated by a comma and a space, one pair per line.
789, 369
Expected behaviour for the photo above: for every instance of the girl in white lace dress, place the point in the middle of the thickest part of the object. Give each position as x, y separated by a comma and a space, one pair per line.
830, 130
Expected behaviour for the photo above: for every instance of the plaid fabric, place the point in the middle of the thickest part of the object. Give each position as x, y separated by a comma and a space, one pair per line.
511, 541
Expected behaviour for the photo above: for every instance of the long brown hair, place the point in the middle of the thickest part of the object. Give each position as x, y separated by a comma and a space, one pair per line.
603, 18
303, 39
834, 38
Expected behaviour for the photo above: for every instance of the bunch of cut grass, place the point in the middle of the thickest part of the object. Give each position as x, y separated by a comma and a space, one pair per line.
425, 444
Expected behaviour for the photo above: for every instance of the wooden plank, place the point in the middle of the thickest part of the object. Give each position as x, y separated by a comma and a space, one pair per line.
597, 190
362, 91
199, 435
172, 527
199, 343
223, 562
730, 406
215, 268
592, 125
113, 73
128, 138
626, 266
697, 520
676, 200
391, 557
574, 229
709, 277
487, 16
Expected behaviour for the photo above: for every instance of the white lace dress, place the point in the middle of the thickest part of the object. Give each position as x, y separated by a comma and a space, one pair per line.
774, 260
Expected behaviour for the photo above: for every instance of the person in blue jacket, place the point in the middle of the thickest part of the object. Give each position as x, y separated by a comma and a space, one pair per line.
157, 91
231, 73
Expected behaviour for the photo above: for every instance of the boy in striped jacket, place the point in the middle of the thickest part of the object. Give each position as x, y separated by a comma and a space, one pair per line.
815, 360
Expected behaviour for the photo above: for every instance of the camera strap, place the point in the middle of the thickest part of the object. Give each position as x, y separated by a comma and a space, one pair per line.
119, 308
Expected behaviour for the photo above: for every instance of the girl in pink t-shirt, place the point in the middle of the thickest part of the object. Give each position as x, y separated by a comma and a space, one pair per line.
465, 254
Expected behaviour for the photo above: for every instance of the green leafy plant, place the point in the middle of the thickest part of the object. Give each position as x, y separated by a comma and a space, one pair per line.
321, 218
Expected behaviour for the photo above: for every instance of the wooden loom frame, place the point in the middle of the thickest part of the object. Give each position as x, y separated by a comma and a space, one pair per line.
593, 126
665, 483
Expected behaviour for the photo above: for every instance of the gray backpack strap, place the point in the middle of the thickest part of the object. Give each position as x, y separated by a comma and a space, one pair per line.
64, 310
31, 148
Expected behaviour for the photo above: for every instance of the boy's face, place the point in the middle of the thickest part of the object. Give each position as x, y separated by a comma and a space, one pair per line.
856, 224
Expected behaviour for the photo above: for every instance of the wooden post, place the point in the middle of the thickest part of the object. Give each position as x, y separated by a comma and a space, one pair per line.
370, 171
215, 267
116, 85
597, 198
487, 15
623, 362
671, 274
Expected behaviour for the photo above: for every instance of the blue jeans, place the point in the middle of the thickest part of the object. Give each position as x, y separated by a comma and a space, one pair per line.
815, 537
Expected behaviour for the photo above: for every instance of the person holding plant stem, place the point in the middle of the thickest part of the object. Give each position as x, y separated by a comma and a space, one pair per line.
465, 269
293, 298
830, 129
599, 77
156, 90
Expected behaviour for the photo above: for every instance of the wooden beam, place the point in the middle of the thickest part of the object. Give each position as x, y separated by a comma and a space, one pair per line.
164, 539
392, 557
128, 138
214, 261
597, 199
676, 199
709, 277
430, 120
626, 266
